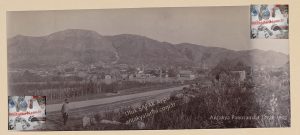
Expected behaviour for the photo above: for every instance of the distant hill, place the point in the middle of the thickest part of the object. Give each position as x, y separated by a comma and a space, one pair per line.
90, 47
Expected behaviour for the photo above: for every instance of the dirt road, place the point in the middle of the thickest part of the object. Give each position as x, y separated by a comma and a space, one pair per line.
81, 108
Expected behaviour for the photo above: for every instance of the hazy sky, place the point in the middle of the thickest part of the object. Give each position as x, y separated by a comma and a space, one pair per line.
226, 27
278, 45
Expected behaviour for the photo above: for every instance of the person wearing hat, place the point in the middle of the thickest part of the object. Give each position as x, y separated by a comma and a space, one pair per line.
65, 111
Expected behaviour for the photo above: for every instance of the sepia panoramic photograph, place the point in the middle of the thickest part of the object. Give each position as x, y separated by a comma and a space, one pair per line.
144, 69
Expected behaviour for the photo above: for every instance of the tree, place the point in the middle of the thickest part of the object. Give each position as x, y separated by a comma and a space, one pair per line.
223, 66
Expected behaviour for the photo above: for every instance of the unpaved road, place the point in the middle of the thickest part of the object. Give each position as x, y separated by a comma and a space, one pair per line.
81, 108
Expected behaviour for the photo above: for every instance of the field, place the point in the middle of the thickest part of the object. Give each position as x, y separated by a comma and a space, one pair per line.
261, 99
256, 103
56, 92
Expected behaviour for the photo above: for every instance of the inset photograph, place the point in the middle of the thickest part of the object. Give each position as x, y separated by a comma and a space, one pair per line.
26, 112
269, 21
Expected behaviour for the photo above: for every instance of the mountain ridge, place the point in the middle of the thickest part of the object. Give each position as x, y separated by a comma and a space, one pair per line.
90, 47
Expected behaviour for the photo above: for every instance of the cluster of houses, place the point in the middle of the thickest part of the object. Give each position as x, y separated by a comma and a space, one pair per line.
108, 73
124, 72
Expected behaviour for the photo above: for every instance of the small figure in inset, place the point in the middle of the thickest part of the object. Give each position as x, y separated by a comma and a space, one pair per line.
21, 104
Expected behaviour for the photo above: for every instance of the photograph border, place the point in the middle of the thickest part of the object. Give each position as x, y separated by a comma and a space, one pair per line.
15, 5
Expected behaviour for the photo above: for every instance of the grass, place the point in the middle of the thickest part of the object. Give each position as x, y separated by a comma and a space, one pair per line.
210, 106
258, 102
